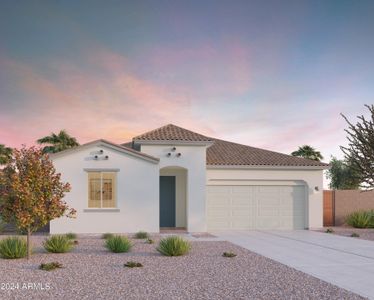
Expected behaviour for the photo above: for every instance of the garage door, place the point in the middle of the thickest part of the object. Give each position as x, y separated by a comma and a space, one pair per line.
255, 207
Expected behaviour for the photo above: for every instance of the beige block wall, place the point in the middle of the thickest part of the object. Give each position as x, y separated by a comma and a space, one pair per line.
348, 201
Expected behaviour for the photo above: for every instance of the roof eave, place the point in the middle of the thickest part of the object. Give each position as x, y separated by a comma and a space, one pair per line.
173, 142
266, 167
109, 145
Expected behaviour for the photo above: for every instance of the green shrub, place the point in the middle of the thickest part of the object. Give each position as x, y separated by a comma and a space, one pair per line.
133, 264
118, 244
329, 230
50, 266
13, 247
107, 235
141, 235
361, 219
71, 236
228, 254
354, 234
173, 246
58, 244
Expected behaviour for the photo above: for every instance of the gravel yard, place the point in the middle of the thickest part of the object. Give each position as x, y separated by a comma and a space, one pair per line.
365, 233
91, 272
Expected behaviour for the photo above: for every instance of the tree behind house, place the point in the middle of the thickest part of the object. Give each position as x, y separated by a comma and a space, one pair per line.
308, 152
342, 175
57, 142
31, 192
360, 149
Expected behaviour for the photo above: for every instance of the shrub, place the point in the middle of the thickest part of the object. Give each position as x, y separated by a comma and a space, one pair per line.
50, 266
361, 219
118, 244
107, 235
173, 246
58, 244
13, 247
141, 235
133, 264
354, 234
329, 230
71, 236
149, 241
228, 254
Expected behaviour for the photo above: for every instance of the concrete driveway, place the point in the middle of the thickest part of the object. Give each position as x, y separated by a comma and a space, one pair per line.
343, 261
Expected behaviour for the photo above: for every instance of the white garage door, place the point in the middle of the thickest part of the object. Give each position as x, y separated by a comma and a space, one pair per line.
255, 207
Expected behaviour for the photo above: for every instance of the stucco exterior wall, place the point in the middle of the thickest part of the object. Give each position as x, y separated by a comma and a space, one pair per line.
309, 178
193, 159
137, 193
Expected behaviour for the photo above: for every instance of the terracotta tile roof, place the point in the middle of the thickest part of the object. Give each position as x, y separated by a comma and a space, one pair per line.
227, 153
224, 153
171, 132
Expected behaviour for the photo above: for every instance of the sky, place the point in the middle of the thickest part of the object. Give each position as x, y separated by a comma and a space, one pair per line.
270, 74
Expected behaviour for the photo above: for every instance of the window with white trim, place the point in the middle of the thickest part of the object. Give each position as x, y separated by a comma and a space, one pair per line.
102, 189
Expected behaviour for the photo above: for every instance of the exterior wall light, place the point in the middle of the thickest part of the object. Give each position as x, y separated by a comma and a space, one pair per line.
316, 188
106, 156
96, 157
179, 154
173, 149
101, 151
168, 155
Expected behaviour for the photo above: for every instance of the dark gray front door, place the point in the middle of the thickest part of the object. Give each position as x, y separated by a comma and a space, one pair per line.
167, 201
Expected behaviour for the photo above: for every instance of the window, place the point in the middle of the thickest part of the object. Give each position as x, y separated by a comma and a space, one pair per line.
101, 189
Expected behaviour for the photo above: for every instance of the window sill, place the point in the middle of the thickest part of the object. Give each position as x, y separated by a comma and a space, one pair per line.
101, 210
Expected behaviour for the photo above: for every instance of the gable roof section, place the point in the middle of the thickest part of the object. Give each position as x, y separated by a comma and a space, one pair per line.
224, 153
172, 133
123, 149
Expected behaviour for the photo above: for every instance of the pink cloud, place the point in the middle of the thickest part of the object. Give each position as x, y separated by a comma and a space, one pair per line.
113, 103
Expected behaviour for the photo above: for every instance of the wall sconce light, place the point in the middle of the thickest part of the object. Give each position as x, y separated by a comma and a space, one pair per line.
96, 157
106, 156
173, 149
179, 154
168, 155
316, 188
101, 151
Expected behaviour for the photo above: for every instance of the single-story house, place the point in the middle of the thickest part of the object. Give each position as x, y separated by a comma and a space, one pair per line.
174, 178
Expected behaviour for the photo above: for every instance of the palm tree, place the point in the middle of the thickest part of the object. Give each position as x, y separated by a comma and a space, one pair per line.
308, 152
5, 154
58, 142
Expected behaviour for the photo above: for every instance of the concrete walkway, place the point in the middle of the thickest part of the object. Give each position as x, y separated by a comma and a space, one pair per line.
343, 261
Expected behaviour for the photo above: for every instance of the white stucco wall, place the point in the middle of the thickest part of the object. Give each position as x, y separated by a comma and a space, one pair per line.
137, 193
193, 159
311, 179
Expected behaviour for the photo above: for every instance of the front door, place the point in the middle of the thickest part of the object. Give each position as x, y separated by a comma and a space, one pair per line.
167, 201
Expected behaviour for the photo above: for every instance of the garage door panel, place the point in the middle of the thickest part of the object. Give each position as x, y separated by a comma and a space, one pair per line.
241, 212
218, 213
219, 201
256, 207
242, 190
241, 201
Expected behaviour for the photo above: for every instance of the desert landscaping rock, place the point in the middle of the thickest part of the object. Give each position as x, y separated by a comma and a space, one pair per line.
92, 272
